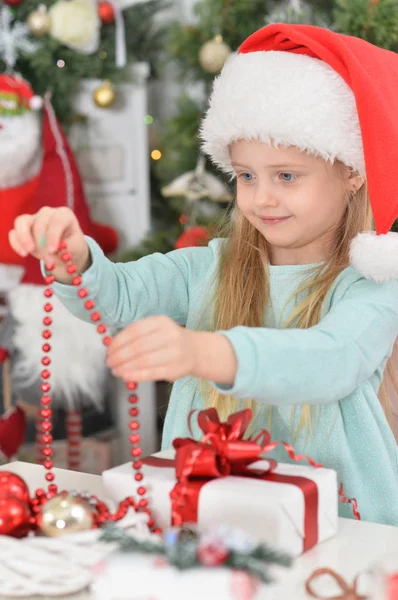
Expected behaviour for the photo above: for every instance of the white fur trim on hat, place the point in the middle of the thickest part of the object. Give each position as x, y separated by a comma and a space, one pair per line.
284, 99
375, 256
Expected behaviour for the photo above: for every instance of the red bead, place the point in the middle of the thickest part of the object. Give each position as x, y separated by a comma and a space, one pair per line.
143, 503
141, 491
50, 477
101, 328
49, 279
46, 360
62, 246
151, 523
135, 438
52, 487
66, 256
47, 438
133, 399
46, 347
137, 464
89, 304
131, 385
48, 464
96, 316
49, 266
107, 340
83, 293
71, 269
47, 452
47, 321
40, 493
46, 426
45, 387
48, 293
157, 531
136, 452
139, 476
46, 413
134, 412
46, 334
48, 307
45, 374
77, 280
134, 425
45, 400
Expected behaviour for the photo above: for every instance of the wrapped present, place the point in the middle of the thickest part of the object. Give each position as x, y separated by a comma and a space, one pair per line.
225, 479
221, 563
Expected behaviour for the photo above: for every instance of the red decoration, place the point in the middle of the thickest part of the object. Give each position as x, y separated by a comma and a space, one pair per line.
13, 3
213, 554
13, 485
12, 431
392, 587
106, 12
15, 516
194, 236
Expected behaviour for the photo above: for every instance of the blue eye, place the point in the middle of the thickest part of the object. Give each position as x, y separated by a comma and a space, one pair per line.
287, 177
246, 176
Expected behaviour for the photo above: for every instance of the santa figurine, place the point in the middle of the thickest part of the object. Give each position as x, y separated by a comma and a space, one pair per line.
37, 168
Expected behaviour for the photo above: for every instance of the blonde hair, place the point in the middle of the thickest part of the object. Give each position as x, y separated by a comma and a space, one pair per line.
243, 289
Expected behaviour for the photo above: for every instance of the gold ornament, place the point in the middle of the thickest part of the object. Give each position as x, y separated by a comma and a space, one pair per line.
213, 54
104, 96
39, 22
64, 514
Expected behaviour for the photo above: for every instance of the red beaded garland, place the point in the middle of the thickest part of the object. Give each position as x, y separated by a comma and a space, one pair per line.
101, 513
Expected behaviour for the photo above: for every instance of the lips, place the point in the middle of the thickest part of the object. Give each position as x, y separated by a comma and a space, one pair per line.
273, 220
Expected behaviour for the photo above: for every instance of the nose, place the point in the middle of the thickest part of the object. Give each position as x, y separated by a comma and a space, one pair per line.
265, 197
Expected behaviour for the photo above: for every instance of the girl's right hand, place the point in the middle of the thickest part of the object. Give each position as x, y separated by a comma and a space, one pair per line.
40, 235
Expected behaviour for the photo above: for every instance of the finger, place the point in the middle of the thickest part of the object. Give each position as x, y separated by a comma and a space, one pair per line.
158, 357
58, 227
23, 227
134, 350
161, 373
48, 228
14, 243
134, 331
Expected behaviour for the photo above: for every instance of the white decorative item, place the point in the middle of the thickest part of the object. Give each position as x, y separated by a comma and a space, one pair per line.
14, 38
76, 24
45, 567
268, 511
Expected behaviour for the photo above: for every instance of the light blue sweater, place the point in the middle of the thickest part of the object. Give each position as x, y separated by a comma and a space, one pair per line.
336, 366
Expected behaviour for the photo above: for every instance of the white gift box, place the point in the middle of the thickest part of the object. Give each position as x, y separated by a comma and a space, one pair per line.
268, 511
148, 577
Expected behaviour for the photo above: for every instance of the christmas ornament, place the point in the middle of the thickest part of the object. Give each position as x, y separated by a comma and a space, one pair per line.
106, 12
13, 3
13, 485
198, 184
64, 514
193, 236
39, 21
12, 431
14, 37
104, 96
213, 54
15, 516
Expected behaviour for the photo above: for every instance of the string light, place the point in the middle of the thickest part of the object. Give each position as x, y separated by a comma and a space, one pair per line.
60, 63
103, 55
156, 154
148, 119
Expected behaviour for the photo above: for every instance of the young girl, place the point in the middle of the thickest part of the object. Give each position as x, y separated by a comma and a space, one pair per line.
273, 316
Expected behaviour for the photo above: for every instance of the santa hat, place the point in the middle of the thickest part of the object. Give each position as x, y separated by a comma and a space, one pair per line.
328, 94
16, 95
78, 368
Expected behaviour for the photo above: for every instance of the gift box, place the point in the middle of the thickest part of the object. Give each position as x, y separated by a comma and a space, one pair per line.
292, 507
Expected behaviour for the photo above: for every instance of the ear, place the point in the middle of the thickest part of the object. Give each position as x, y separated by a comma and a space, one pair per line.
354, 181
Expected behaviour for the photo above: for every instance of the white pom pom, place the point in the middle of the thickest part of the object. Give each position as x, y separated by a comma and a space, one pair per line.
36, 102
375, 256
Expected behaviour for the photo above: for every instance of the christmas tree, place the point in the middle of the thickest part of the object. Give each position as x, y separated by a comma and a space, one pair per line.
53, 44
200, 50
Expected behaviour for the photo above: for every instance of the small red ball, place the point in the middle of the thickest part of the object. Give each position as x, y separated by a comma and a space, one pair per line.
89, 304
49, 279
52, 488
66, 256
141, 491
46, 334
107, 340
83, 293
46, 426
47, 438
151, 523
62, 245
48, 464
47, 452
139, 476
48, 307
96, 316
106, 12
134, 412
133, 399
136, 452
40, 493
45, 374
143, 503
49, 266
71, 269
131, 385
137, 465
135, 438
47, 321
46, 360
48, 293
45, 387
101, 328
134, 425
46, 347
50, 477
46, 400
77, 280
46, 413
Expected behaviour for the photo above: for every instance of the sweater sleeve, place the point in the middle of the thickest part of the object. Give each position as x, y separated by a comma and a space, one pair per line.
158, 284
324, 363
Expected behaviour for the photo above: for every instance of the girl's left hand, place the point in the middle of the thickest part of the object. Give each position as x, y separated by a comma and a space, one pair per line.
153, 349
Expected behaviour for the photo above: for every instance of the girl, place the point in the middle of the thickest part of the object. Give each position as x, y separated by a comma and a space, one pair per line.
273, 315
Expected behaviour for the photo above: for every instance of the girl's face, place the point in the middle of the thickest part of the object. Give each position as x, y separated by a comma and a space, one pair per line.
296, 201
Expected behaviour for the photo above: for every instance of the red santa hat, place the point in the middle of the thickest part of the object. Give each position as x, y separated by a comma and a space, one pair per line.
78, 368
16, 95
328, 94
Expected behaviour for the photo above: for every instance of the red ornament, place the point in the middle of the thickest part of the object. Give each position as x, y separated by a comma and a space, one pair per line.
194, 236
12, 432
106, 12
13, 485
13, 3
15, 516
213, 554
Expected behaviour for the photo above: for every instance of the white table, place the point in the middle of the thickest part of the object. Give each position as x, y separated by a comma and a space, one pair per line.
357, 546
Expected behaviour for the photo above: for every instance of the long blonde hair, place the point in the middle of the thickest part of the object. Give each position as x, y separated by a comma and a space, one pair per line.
243, 287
